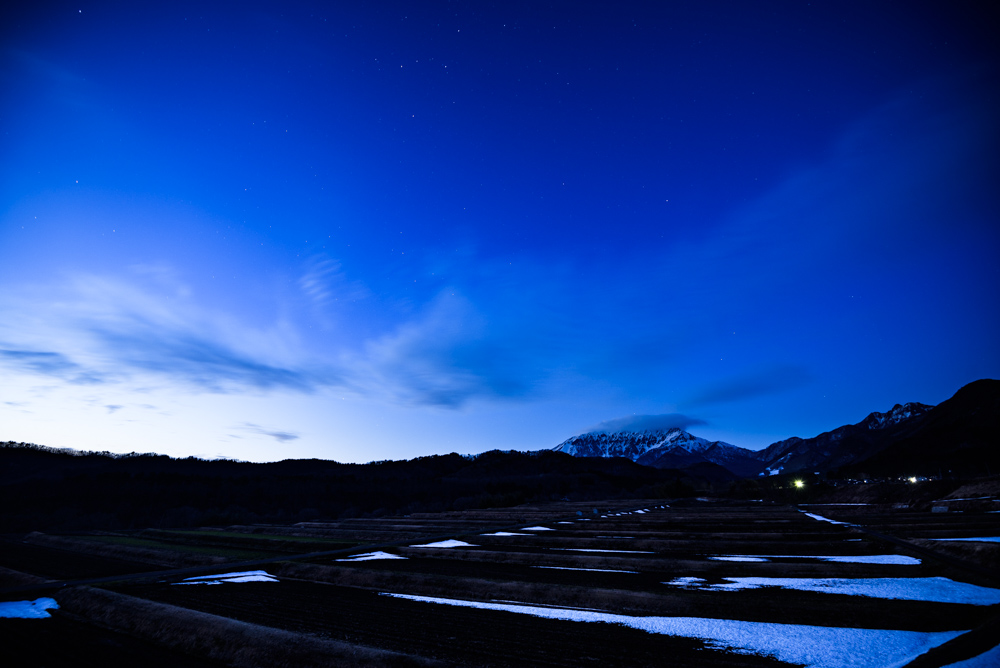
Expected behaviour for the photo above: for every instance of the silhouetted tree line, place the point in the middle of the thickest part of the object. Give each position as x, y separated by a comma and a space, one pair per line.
46, 489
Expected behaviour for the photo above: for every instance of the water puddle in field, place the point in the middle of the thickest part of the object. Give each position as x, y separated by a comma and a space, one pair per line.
813, 646
936, 589
37, 609
893, 559
370, 556
447, 543
242, 576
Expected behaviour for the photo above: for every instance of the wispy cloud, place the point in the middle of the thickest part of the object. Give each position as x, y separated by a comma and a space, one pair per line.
448, 355
49, 363
103, 330
280, 436
324, 281
750, 386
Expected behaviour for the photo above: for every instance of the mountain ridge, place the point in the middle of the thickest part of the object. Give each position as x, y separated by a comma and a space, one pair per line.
974, 407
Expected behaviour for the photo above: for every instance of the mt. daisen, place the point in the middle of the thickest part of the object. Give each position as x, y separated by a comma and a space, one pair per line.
911, 438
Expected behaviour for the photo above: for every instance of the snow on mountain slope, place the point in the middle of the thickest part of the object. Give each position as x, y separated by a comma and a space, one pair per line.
661, 448
676, 448
896, 414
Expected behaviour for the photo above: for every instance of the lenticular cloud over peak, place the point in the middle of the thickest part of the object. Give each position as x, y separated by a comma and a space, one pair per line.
648, 423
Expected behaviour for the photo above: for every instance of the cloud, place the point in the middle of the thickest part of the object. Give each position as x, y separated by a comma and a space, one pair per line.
101, 330
280, 436
209, 365
741, 388
113, 408
324, 281
48, 363
446, 356
648, 423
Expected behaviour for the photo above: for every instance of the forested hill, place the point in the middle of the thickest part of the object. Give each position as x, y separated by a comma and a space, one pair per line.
46, 489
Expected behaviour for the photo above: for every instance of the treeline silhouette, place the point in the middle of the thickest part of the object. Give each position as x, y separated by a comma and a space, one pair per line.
42, 489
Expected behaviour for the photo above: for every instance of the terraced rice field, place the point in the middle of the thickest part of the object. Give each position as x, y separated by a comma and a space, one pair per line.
657, 583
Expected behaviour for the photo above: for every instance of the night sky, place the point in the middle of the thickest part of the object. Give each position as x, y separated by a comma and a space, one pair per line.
379, 230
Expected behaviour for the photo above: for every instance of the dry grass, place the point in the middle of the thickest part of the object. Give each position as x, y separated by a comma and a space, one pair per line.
12, 578
989, 488
986, 555
615, 600
219, 638
146, 555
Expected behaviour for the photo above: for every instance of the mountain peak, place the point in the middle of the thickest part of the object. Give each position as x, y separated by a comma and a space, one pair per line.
663, 448
895, 415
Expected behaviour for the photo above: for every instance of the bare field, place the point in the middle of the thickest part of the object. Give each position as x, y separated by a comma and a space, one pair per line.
563, 585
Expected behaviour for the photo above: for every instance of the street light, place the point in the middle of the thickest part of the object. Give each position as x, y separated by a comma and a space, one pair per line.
799, 484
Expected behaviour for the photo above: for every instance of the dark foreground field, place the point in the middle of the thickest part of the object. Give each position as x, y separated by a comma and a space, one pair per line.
551, 584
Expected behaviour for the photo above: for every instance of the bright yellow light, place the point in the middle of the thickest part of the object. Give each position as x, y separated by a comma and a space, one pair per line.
799, 484
913, 479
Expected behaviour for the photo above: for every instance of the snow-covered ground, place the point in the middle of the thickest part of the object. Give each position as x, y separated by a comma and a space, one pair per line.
937, 589
505, 533
824, 519
447, 543
369, 556
983, 539
36, 609
988, 659
537, 529
242, 576
896, 559
813, 646
599, 570
592, 549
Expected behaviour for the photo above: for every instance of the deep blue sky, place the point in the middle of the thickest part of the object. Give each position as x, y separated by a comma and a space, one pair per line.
382, 230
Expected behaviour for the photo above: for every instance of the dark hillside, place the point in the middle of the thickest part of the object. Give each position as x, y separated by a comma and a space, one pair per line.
42, 489
960, 436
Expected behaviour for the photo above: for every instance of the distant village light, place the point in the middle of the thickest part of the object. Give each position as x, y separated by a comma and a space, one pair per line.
913, 479
799, 484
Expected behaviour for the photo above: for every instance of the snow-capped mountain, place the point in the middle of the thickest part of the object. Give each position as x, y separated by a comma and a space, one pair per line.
676, 448
896, 414
661, 448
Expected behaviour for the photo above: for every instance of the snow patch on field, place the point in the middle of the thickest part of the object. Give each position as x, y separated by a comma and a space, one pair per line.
599, 570
814, 646
893, 559
537, 529
988, 659
369, 556
936, 589
242, 576
984, 539
505, 533
36, 609
447, 543
592, 549
824, 519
